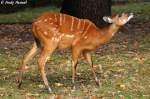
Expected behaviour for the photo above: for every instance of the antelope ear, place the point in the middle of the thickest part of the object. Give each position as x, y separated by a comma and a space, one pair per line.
131, 15
107, 19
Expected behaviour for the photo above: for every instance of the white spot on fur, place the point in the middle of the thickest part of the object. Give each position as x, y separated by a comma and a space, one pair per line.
52, 38
51, 23
53, 29
55, 39
48, 58
45, 20
69, 36
38, 21
45, 33
85, 37
60, 36
56, 26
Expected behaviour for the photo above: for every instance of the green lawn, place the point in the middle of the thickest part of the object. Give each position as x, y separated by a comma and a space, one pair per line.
25, 16
29, 14
132, 7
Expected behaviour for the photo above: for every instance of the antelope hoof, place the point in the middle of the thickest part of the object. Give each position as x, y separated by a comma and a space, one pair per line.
73, 88
19, 84
49, 90
98, 83
19, 80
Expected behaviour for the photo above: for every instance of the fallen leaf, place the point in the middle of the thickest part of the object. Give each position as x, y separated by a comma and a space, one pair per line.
31, 94
41, 86
123, 86
58, 84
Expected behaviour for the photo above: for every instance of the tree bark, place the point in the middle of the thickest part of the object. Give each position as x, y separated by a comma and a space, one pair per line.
93, 10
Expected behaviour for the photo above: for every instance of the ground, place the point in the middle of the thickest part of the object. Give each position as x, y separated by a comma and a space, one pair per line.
122, 65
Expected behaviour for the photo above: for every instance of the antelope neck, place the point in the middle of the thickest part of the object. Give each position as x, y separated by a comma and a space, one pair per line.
109, 31
113, 28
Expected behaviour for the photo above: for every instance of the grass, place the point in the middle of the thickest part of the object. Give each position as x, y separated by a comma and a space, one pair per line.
140, 10
29, 14
25, 16
132, 7
123, 72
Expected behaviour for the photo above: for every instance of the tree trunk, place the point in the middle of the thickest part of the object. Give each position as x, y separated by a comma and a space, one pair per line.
93, 10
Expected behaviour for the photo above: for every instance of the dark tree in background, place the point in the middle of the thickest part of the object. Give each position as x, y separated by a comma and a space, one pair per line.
93, 10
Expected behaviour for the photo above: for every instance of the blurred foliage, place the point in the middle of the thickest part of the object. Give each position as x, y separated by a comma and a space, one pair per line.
25, 16
141, 11
8, 8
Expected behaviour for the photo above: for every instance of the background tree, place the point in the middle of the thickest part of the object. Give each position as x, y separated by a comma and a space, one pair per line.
90, 9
